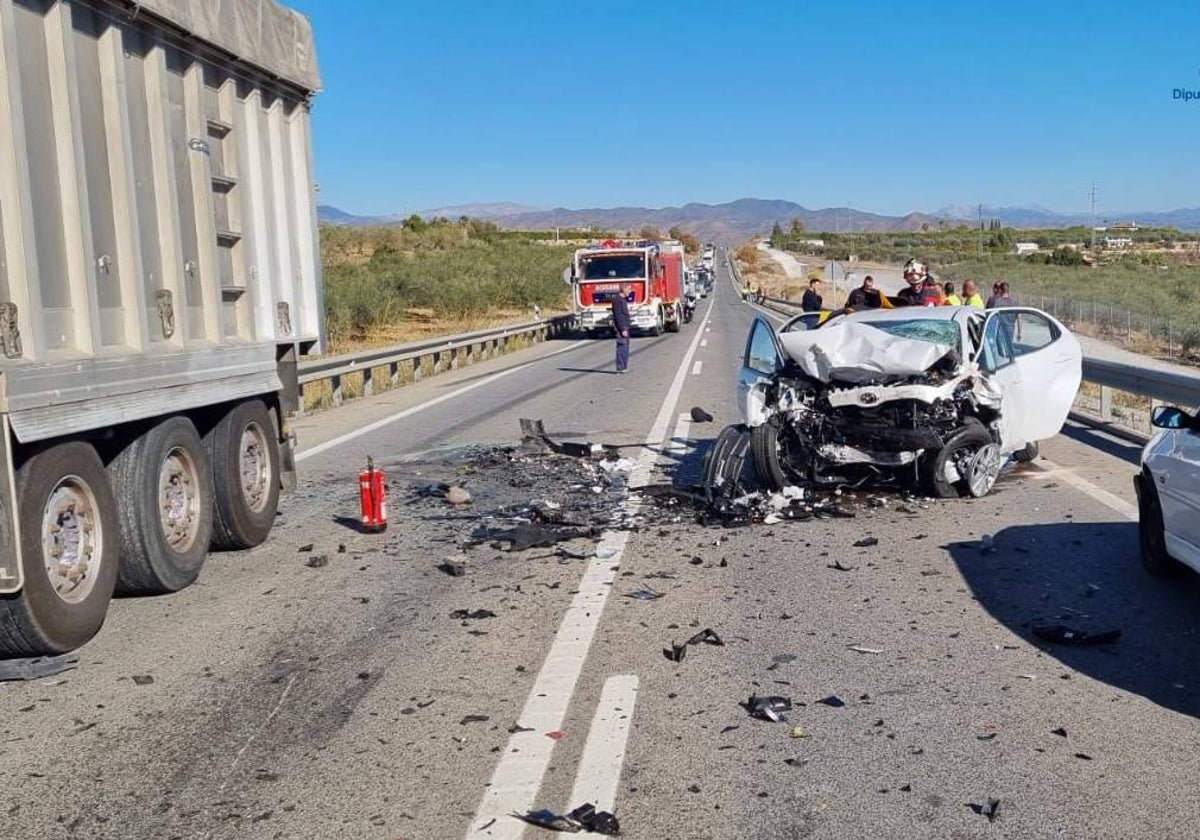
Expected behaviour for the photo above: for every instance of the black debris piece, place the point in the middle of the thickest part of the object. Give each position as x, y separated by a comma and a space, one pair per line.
317, 561
36, 668
1060, 732
434, 490
707, 636
699, 415
991, 736
675, 653
532, 431
795, 762
550, 820
453, 569
516, 727
663, 575
1062, 635
473, 615
644, 594
729, 728
1083, 756
304, 549
142, 679
866, 542
596, 822
837, 564
784, 658
524, 537
473, 719
768, 708
989, 810
906, 788
832, 700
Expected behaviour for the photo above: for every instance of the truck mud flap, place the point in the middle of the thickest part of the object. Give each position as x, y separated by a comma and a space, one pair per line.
10, 539
724, 462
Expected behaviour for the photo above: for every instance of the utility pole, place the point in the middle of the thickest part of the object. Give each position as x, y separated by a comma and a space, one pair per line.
981, 230
1092, 196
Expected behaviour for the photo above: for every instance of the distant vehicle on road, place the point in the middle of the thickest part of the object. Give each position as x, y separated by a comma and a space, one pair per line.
598, 272
1168, 492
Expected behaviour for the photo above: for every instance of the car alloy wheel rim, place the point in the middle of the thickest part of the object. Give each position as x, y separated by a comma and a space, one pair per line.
983, 469
71, 539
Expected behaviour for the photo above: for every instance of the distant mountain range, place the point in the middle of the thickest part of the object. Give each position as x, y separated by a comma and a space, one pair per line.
736, 221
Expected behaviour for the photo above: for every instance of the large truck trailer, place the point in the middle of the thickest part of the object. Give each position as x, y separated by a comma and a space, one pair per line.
159, 279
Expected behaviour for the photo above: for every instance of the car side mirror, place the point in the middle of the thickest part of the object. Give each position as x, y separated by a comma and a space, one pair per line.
1170, 417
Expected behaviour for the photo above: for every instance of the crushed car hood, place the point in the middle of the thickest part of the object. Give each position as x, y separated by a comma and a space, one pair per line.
847, 351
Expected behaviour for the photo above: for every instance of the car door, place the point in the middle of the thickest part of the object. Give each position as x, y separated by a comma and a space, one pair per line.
761, 364
1179, 487
1043, 362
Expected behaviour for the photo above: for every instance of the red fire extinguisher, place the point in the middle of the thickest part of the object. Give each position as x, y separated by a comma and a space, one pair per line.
372, 491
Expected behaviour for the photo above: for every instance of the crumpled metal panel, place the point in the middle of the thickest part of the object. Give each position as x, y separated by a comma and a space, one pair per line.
848, 351
261, 32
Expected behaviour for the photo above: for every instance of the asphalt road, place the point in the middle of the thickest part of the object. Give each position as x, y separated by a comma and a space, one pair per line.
277, 700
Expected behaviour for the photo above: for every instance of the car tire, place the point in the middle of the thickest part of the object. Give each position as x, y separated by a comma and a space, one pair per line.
163, 485
43, 619
980, 477
723, 462
244, 453
1152, 532
768, 457
1028, 454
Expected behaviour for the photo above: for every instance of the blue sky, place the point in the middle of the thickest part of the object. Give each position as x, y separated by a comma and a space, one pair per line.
885, 106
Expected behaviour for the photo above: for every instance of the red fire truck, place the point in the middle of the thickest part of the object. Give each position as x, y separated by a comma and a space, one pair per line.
656, 300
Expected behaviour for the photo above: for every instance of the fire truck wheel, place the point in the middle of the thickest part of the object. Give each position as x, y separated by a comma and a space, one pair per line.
657, 329
163, 485
244, 450
69, 545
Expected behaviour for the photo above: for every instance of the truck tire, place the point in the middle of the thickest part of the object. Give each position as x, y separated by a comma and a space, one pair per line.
69, 547
163, 485
657, 329
244, 452
676, 319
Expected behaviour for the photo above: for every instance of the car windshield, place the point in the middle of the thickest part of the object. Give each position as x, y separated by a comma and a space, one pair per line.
615, 267
808, 321
935, 331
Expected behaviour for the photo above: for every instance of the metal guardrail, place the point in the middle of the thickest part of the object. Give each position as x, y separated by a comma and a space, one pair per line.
415, 360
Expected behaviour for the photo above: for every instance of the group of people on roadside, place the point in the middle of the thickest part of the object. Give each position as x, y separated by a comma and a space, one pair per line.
923, 289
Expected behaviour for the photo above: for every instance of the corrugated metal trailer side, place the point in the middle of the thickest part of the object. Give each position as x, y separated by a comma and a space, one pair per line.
159, 267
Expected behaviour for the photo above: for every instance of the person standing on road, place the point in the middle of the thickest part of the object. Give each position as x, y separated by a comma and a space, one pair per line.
620, 317
971, 296
951, 298
1004, 298
812, 300
865, 296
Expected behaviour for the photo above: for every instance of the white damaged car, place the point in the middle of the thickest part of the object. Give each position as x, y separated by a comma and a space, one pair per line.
933, 398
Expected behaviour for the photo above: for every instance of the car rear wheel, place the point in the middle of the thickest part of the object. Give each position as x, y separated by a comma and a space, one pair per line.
1028, 454
1152, 532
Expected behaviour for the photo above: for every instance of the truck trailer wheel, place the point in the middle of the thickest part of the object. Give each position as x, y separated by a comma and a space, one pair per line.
69, 545
163, 485
244, 452
676, 319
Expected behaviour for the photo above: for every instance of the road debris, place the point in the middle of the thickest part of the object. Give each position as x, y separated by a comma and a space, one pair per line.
988, 810
1064, 635
675, 653
768, 708
317, 561
832, 700
473, 615
142, 679
862, 649
644, 594
707, 636
533, 432
584, 818
458, 496
866, 542
699, 415
454, 568
36, 668
837, 564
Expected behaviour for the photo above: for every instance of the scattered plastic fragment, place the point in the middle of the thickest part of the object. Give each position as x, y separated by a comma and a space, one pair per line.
1083, 756
550, 820
837, 564
861, 649
699, 415
473, 719
644, 594
799, 732
556, 735
596, 822
707, 636
768, 708
1060, 732
795, 762
989, 810
675, 653
304, 549
784, 658
1063, 635
532, 431
605, 552
452, 568
866, 542
473, 615
142, 679
317, 561
458, 496
832, 700
37, 667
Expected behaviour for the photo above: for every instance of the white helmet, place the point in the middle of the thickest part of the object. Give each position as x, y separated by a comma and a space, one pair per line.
915, 272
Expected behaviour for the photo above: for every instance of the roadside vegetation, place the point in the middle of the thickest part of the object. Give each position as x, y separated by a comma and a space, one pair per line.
389, 284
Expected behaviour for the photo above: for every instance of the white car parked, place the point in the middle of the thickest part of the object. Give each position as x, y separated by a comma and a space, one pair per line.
1168, 491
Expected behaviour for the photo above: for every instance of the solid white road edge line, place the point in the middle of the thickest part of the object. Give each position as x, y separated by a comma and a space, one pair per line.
409, 412
518, 776
696, 368
604, 754
681, 437
1049, 469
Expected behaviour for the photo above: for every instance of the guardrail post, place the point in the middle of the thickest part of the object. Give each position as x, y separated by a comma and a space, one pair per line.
335, 382
418, 371
1106, 401
368, 382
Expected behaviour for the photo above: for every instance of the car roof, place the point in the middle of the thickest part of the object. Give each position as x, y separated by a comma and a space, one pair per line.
927, 313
